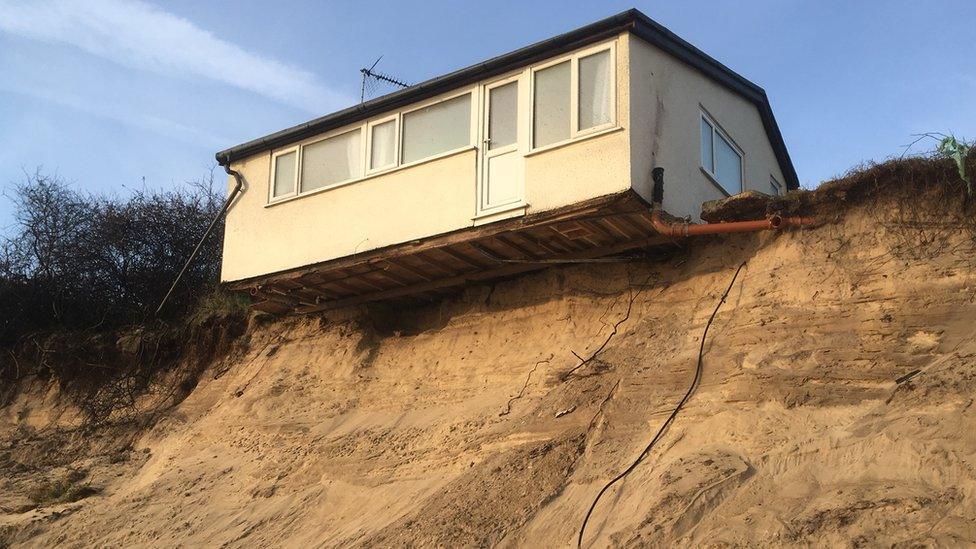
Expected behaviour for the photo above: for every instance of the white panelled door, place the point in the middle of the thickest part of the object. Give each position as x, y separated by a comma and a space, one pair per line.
501, 175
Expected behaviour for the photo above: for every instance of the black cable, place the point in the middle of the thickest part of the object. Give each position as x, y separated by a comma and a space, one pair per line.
681, 403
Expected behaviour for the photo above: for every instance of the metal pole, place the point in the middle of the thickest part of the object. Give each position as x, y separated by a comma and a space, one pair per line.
223, 210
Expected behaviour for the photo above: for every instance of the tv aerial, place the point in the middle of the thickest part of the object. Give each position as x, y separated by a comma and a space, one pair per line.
373, 80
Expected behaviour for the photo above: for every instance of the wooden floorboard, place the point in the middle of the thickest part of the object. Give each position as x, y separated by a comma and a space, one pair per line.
424, 270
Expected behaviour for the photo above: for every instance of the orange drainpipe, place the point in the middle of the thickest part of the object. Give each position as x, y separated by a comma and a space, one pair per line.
685, 229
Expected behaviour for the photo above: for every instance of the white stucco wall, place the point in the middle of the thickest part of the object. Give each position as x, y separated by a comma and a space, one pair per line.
667, 98
430, 198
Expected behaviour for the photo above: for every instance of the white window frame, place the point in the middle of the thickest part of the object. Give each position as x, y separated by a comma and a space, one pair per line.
366, 148
773, 182
397, 123
518, 147
574, 132
318, 139
472, 127
274, 168
719, 131
514, 78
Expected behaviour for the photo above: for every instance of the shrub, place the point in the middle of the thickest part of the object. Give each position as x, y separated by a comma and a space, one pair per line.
958, 151
76, 261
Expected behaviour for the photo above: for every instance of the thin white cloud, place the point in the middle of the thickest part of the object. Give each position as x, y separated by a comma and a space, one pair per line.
142, 36
140, 120
101, 91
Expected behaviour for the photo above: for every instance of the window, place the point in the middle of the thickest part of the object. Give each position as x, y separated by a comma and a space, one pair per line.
285, 170
331, 161
595, 89
551, 105
398, 139
382, 145
720, 158
436, 129
707, 161
573, 97
775, 188
503, 115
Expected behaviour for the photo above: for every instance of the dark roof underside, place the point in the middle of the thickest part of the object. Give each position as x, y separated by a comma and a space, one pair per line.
631, 20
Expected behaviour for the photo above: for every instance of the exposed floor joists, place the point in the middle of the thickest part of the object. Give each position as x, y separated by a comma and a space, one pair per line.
425, 268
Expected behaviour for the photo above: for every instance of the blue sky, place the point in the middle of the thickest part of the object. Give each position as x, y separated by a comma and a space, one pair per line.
116, 94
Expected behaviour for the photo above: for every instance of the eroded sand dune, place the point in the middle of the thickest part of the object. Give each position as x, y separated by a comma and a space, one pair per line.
457, 425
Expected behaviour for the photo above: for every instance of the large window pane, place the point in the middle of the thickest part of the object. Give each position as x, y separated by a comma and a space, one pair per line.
330, 161
438, 128
383, 146
551, 105
284, 179
707, 161
595, 89
728, 166
503, 115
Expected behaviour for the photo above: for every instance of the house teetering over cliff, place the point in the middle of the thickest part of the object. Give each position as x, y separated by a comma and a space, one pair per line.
539, 155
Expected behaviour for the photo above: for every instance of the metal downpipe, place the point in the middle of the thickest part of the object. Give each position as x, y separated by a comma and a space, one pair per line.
238, 188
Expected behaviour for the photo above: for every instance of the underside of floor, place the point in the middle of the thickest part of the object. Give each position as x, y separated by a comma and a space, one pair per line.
422, 270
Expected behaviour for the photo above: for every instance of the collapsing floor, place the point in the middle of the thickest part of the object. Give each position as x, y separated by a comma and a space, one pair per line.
424, 269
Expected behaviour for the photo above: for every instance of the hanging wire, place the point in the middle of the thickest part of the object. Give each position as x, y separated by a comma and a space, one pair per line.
667, 422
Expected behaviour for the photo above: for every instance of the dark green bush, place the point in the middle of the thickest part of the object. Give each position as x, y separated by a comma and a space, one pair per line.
75, 261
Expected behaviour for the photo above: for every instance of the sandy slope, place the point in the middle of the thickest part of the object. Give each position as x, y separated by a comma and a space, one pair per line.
392, 431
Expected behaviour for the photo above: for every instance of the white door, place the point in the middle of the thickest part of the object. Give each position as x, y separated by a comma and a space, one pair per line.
501, 175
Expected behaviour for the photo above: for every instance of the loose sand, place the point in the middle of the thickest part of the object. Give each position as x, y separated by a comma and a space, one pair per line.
456, 425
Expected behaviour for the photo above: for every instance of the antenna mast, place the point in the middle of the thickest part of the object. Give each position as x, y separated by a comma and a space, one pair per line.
377, 76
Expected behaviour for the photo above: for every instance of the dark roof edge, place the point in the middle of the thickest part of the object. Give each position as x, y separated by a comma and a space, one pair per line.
631, 20
569, 41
